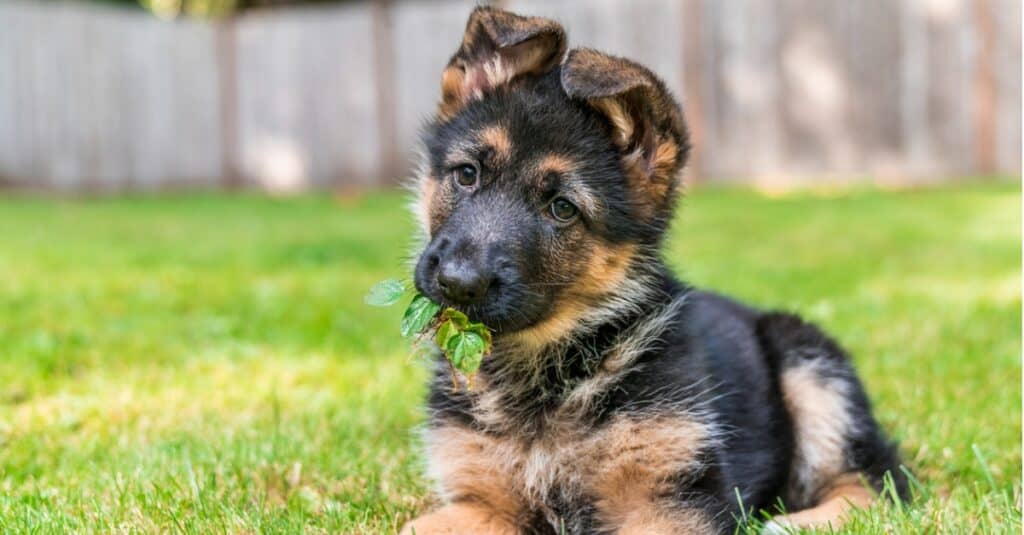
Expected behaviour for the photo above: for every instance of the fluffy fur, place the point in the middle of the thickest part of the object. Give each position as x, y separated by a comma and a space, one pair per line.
617, 399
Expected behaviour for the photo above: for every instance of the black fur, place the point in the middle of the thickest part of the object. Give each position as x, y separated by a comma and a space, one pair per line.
715, 358
733, 354
785, 338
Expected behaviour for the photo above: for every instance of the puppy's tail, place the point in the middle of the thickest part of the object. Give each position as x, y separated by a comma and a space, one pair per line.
837, 441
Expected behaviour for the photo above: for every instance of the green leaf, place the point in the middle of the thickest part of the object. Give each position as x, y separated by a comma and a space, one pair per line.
471, 363
484, 332
445, 332
466, 350
418, 316
385, 293
458, 318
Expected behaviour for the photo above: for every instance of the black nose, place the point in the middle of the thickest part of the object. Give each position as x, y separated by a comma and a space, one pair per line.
461, 282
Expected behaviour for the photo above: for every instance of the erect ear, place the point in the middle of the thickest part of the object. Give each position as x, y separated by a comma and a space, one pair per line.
646, 121
498, 47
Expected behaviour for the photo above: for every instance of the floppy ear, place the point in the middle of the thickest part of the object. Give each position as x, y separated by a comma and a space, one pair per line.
498, 47
646, 121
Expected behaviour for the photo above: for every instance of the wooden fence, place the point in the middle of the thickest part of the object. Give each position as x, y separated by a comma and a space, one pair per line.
778, 92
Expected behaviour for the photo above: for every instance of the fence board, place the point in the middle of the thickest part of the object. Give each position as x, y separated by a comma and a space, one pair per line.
785, 91
426, 35
1008, 73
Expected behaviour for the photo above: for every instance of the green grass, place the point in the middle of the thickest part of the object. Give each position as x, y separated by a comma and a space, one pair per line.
205, 363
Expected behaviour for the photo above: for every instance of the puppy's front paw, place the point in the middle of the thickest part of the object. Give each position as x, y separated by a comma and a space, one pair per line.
779, 525
460, 519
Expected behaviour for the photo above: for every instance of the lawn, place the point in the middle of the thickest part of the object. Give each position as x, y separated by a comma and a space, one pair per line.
206, 364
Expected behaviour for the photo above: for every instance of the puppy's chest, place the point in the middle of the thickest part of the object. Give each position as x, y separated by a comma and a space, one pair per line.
564, 473
531, 471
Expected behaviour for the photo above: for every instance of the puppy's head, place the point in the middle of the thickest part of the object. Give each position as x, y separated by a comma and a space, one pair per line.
549, 176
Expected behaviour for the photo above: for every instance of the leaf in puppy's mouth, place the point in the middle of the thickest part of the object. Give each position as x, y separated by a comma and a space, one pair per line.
464, 343
386, 293
419, 315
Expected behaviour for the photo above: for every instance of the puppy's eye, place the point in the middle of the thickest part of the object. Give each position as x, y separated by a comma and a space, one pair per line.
563, 210
465, 175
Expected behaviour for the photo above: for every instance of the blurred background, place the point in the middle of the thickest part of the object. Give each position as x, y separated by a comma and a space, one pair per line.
286, 96
181, 352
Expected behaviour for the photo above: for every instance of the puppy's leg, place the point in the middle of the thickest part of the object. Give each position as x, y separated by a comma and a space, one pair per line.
461, 518
845, 493
841, 455
652, 519
639, 464
473, 477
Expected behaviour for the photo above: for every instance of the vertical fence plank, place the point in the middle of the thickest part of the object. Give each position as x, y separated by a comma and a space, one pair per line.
389, 157
95, 97
227, 85
1008, 80
307, 98
984, 90
426, 35
692, 96
9, 14
950, 102
914, 89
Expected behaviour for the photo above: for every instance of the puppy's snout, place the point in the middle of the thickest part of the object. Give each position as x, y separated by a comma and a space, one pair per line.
462, 282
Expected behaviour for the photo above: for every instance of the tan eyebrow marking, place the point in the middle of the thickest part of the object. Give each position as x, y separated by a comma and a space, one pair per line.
565, 167
497, 137
556, 163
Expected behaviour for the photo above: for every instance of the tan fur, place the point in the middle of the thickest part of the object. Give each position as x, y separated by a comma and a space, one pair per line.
498, 139
640, 183
488, 409
652, 520
461, 518
551, 329
633, 461
565, 167
652, 180
424, 202
453, 92
606, 269
620, 360
555, 163
525, 58
845, 493
664, 161
625, 465
434, 203
821, 419
647, 124
621, 120
463, 462
525, 45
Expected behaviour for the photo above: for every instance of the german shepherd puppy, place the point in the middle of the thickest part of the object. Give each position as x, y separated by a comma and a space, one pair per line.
616, 399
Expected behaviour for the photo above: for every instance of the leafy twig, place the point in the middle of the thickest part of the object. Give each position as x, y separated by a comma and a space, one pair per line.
464, 343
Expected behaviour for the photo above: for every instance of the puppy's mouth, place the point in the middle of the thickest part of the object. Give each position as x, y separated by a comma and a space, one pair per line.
505, 308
